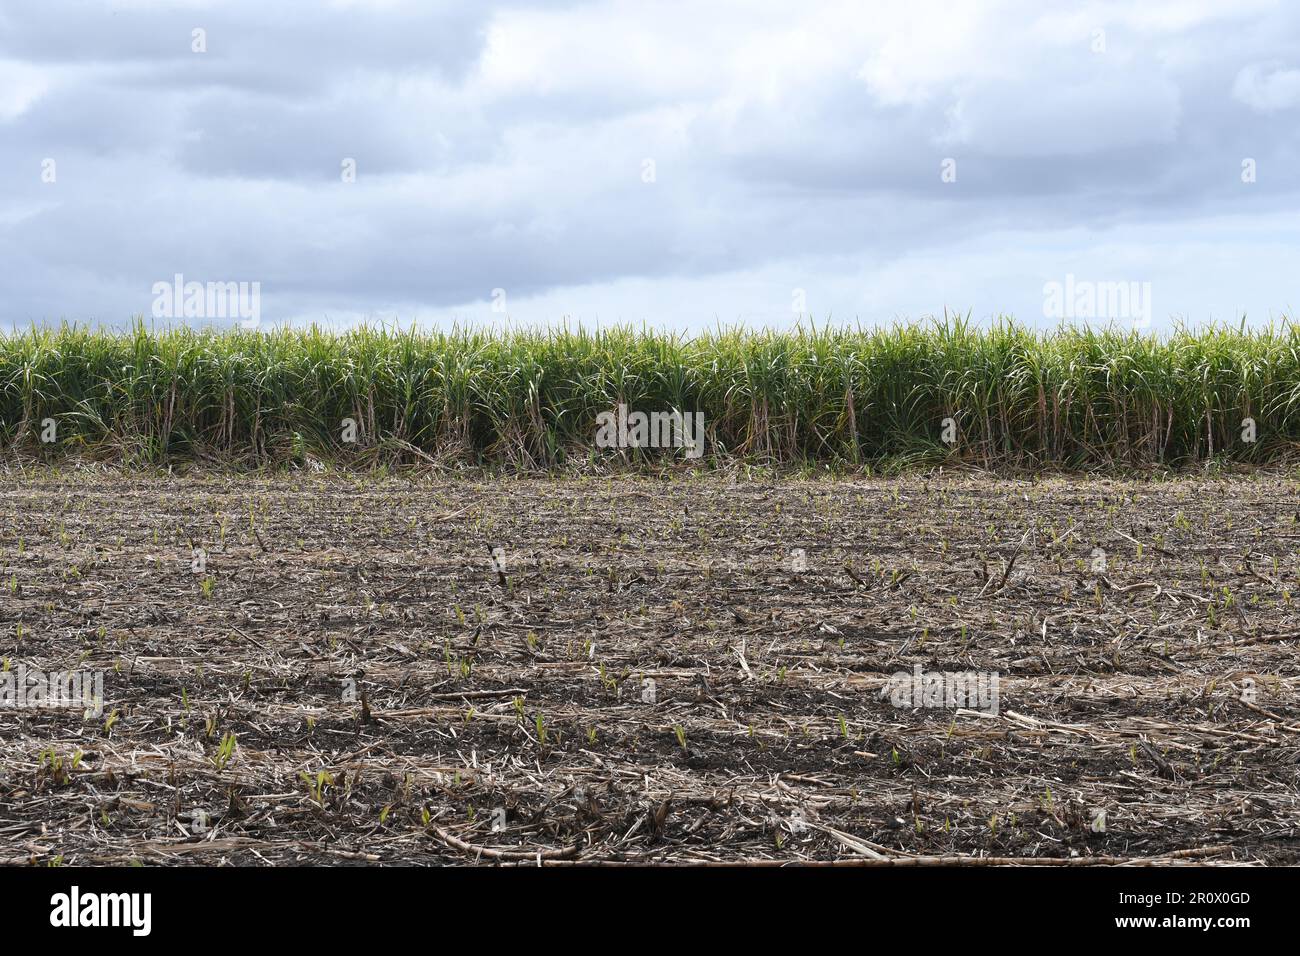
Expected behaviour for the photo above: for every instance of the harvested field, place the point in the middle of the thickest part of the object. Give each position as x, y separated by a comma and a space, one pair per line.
391, 690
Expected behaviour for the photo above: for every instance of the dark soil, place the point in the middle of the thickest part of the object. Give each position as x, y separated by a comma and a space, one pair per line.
391, 700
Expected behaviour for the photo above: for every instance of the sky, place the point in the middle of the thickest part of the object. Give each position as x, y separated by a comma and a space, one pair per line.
679, 165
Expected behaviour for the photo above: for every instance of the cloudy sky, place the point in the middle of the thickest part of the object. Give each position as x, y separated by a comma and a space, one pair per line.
678, 164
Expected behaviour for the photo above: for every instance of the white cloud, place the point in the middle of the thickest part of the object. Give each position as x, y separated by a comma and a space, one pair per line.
1267, 88
21, 85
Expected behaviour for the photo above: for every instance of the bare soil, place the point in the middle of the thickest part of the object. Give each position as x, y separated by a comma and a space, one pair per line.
651, 670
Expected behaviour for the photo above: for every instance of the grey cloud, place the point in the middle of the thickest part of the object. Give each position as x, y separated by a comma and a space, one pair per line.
256, 37
226, 165
1268, 88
